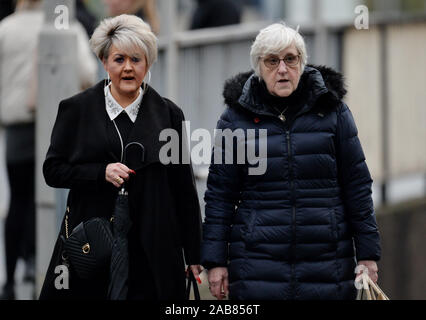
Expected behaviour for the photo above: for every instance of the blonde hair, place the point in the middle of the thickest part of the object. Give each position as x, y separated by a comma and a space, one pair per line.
274, 39
126, 32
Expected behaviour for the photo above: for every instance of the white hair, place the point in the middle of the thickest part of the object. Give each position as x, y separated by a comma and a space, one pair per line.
274, 39
125, 32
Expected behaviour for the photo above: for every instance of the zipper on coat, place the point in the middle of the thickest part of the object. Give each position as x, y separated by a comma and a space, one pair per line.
287, 125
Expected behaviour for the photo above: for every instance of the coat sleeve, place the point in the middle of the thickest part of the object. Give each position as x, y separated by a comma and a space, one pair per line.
355, 182
58, 171
221, 197
188, 206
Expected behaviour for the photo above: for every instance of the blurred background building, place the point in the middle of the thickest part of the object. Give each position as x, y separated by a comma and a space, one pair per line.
379, 46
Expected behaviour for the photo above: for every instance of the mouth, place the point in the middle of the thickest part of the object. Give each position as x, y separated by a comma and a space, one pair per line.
283, 81
128, 78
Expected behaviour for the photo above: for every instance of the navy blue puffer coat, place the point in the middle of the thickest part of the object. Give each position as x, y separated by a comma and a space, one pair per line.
296, 231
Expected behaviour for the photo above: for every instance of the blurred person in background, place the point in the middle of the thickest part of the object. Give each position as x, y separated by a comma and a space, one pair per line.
298, 230
19, 35
88, 160
144, 9
85, 17
6, 8
216, 13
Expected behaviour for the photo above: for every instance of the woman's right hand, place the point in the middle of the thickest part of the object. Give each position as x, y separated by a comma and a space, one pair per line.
218, 282
117, 173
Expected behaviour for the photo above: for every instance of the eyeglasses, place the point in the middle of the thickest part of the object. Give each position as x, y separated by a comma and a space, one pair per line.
273, 62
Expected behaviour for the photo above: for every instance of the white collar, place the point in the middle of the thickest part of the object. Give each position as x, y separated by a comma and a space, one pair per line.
113, 108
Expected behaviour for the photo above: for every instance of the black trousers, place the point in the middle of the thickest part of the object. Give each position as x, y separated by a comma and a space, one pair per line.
20, 221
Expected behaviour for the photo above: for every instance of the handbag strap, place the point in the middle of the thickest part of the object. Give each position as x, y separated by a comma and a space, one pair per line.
191, 280
67, 225
66, 222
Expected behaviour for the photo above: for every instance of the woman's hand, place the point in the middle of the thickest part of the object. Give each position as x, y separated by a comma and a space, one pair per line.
196, 270
218, 282
117, 173
371, 269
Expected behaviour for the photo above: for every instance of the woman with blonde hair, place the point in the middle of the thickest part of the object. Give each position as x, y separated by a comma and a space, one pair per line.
88, 155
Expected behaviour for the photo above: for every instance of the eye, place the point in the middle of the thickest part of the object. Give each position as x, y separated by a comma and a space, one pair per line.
273, 60
290, 58
119, 59
135, 59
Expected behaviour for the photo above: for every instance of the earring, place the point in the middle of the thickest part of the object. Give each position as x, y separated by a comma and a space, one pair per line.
149, 77
145, 83
106, 83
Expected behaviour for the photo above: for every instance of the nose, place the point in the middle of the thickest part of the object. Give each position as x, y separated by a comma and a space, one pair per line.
127, 65
282, 68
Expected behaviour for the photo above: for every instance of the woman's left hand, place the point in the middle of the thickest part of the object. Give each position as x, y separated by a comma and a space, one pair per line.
372, 269
196, 270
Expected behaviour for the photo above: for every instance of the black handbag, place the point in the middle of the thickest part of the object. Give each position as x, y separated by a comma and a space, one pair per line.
87, 250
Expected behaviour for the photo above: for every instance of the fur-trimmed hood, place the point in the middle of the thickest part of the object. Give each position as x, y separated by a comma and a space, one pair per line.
323, 89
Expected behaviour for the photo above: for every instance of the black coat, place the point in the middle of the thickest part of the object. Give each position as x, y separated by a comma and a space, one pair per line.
296, 231
162, 198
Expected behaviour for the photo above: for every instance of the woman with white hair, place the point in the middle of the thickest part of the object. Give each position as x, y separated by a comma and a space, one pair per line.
298, 230
87, 154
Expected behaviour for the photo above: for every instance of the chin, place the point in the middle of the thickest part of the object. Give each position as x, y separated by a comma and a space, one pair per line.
129, 89
284, 93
